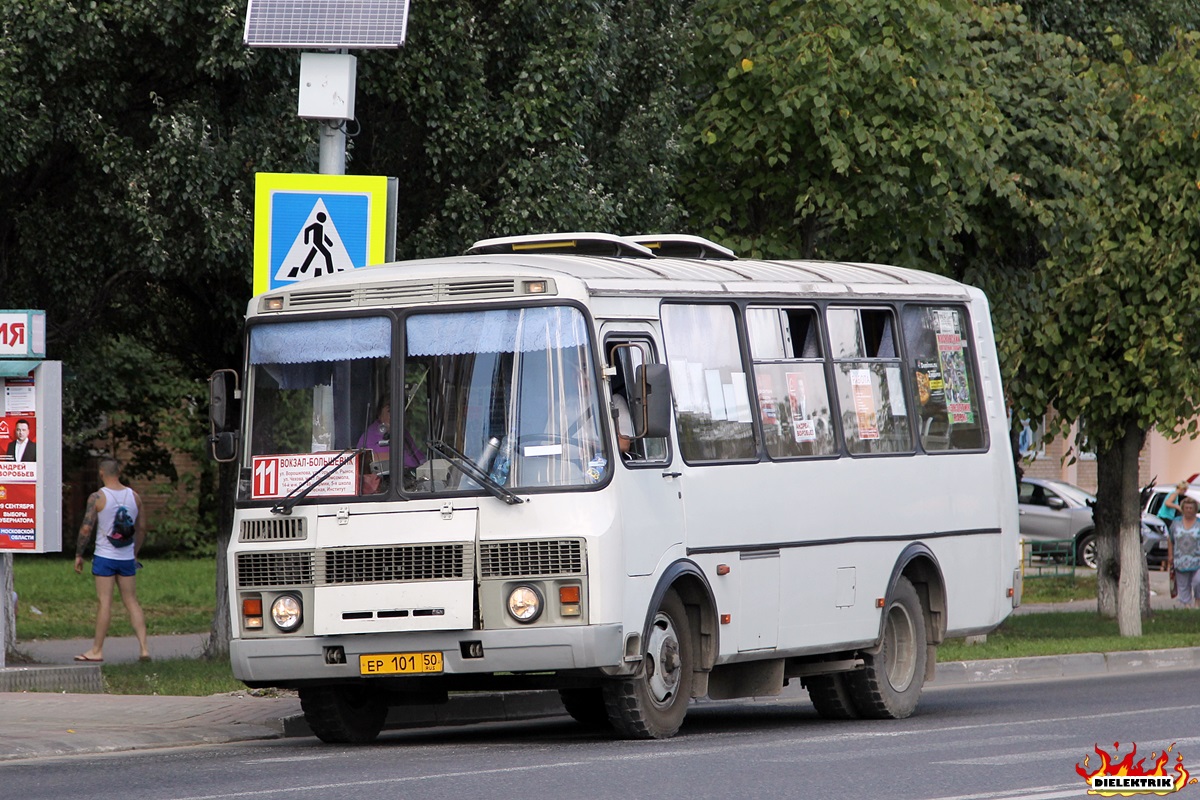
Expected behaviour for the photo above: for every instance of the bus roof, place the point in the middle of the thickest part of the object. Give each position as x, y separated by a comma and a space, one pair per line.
494, 276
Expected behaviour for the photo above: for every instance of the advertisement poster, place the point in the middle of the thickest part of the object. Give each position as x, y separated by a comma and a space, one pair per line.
954, 370
18, 466
864, 404
802, 427
18, 507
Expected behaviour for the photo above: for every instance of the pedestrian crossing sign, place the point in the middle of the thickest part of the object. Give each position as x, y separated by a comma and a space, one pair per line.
306, 226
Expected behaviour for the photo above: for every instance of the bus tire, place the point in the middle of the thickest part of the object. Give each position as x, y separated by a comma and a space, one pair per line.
343, 714
586, 706
830, 695
890, 684
652, 704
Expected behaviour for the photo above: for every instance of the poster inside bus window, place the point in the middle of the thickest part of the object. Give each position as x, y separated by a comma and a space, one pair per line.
953, 362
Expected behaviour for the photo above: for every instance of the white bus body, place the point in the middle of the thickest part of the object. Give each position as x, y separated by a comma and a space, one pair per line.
833, 497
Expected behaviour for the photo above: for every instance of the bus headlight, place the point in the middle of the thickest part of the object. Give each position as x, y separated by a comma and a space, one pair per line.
286, 612
525, 603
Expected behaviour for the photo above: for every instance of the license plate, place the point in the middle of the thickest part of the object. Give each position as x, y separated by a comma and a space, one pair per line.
400, 663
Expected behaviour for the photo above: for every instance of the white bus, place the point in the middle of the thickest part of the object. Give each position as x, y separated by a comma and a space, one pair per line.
816, 484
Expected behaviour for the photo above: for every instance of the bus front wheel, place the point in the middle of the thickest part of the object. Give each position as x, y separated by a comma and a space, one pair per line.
889, 685
586, 706
830, 696
343, 714
652, 704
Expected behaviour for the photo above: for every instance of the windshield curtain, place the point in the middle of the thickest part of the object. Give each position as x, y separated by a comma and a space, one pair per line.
511, 389
318, 386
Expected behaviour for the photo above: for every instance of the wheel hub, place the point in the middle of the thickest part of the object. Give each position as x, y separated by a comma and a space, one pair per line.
663, 661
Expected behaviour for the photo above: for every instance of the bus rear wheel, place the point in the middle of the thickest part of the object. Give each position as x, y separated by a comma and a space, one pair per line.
889, 685
343, 714
652, 704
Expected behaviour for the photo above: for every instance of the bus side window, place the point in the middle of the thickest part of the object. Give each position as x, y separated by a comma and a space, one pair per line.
626, 355
869, 382
943, 368
789, 375
713, 416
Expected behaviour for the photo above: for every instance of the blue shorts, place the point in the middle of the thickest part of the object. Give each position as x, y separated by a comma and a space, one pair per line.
107, 567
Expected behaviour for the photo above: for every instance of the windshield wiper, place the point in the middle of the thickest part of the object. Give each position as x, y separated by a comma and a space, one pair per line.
343, 458
474, 472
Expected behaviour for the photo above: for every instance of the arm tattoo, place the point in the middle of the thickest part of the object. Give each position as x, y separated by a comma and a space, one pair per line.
88, 525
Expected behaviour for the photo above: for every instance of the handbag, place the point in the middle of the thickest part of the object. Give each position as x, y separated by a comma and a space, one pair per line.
1174, 585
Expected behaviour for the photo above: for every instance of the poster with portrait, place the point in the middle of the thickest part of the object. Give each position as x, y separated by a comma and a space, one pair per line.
18, 465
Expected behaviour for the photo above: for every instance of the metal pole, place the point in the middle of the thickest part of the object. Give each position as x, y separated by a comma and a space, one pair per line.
333, 147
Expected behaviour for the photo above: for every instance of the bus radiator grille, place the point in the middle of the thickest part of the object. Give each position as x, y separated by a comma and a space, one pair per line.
423, 562
275, 569
532, 558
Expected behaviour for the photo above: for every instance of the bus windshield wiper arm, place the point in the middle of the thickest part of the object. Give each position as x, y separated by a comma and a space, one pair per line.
474, 472
286, 505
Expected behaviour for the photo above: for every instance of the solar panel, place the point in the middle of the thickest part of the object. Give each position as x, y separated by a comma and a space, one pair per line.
326, 23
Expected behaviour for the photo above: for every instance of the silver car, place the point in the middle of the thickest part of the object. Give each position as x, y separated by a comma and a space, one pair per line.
1056, 517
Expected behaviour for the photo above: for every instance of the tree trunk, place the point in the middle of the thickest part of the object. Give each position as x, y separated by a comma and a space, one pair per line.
1121, 570
222, 632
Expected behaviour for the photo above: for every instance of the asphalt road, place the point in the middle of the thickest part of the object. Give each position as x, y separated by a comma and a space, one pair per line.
977, 742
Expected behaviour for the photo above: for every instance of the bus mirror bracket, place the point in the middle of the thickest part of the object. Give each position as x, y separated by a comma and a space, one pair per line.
651, 404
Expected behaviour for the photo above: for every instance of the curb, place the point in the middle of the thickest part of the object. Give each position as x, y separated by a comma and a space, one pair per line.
82, 679
1077, 665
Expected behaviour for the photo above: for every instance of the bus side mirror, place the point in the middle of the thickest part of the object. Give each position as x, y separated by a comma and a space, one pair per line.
650, 406
224, 445
223, 440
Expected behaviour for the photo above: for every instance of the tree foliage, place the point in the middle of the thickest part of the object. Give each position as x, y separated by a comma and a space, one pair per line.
127, 195
1120, 350
521, 116
928, 134
1146, 28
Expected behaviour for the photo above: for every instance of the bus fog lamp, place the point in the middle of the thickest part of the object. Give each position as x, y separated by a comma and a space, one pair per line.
285, 612
525, 604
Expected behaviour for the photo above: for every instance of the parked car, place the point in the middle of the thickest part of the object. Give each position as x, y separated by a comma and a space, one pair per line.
1056, 517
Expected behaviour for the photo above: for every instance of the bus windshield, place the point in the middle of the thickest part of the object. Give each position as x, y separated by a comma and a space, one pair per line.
316, 387
512, 390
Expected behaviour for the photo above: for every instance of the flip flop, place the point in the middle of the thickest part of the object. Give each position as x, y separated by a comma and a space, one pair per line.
85, 657
145, 658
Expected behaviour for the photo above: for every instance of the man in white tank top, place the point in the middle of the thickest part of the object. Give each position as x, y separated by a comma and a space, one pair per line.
114, 562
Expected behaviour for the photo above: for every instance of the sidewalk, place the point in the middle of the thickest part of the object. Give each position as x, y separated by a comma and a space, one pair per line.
45, 724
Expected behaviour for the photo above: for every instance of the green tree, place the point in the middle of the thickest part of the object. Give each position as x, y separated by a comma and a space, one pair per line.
521, 116
938, 135
136, 128
1119, 347
1145, 27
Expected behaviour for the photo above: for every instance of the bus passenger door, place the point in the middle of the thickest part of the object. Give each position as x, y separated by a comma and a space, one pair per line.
649, 492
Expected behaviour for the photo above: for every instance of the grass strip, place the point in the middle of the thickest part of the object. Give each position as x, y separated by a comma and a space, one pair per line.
186, 677
177, 596
1064, 632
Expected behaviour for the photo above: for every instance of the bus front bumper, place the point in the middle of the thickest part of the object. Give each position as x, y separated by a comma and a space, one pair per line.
281, 659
